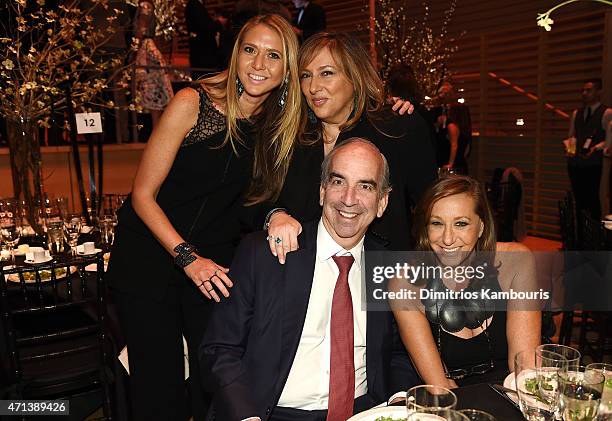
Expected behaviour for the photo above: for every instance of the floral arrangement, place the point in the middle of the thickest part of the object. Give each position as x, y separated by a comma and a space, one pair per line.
546, 22
413, 42
167, 19
45, 48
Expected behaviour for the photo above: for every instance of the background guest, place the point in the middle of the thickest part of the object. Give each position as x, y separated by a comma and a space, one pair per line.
587, 134
203, 47
309, 18
153, 85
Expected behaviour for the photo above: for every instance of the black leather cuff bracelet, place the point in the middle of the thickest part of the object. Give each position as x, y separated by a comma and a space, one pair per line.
182, 260
269, 216
184, 248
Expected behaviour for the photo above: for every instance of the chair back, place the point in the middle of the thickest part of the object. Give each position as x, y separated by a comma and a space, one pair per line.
54, 323
593, 236
505, 198
567, 222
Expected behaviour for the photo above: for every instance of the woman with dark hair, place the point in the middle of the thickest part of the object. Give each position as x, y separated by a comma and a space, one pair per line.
344, 98
230, 134
458, 341
454, 144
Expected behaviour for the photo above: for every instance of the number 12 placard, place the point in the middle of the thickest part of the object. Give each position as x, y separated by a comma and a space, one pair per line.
88, 123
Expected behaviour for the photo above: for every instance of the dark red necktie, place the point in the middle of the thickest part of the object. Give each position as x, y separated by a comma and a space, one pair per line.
342, 363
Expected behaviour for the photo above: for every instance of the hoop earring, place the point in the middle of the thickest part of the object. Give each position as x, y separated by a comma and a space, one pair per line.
239, 87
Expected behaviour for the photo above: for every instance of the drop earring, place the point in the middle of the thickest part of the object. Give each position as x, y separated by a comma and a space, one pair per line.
239, 87
283, 97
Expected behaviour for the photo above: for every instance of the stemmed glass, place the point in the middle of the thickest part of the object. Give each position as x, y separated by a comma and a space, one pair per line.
581, 390
570, 354
536, 376
9, 225
106, 224
72, 226
605, 407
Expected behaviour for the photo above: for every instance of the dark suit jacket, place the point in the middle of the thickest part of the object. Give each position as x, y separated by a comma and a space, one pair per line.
313, 20
253, 336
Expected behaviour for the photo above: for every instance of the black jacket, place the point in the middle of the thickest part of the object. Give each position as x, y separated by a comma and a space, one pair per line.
252, 337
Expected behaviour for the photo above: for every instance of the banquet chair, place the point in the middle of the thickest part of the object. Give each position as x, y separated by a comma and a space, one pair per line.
567, 222
54, 325
594, 337
505, 198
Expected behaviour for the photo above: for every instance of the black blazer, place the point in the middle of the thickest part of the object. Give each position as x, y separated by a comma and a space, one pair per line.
253, 336
313, 20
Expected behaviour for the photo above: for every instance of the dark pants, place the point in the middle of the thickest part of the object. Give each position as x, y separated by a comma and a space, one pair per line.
585, 187
289, 414
153, 332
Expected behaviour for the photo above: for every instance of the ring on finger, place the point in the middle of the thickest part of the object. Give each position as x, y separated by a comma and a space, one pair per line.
201, 283
269, 237
211, 288
278, 240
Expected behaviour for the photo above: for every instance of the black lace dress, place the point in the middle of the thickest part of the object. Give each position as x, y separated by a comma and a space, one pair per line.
201, 196
157, 303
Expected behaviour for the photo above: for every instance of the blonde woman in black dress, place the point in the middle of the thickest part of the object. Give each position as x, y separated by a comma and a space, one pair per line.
176, 235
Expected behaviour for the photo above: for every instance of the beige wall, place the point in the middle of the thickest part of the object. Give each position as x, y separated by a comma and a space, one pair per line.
120, 163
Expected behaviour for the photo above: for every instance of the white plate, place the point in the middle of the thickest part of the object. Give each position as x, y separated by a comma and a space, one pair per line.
32, 262
81, 252
395, 412
510, 382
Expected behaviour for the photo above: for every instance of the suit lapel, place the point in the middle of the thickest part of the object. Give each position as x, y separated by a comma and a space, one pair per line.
297, 283
376, 320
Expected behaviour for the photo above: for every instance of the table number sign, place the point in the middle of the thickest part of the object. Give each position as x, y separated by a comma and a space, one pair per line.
88, 123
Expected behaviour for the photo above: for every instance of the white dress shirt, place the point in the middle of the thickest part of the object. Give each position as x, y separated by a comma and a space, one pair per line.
307, 386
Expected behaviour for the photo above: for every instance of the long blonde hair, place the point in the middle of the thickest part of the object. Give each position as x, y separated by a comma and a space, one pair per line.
277, 127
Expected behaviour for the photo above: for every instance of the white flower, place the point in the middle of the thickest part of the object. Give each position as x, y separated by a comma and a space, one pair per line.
545, 21
8, 64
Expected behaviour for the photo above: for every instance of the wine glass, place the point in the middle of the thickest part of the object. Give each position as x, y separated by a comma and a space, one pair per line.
581, 390
605, 408
9, 229
536, 383
72, 226
572, 355
430, 399
106, 225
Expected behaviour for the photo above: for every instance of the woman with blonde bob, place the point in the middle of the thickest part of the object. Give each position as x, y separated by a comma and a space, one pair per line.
227, 137
469, 338
344, 98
